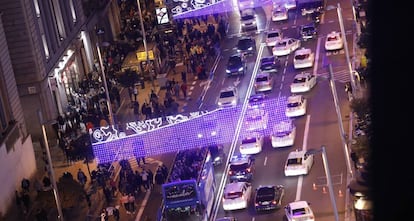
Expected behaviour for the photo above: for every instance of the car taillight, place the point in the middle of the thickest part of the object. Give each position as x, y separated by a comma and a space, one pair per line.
256, 204
273, 202
248, 170
230, 172
224, 199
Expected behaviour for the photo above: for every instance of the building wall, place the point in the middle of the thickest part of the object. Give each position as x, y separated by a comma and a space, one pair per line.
16, 148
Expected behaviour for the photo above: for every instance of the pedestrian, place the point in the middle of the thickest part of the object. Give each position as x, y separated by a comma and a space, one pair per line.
184, 89
164, 170
135, 93
124, 202
145, 181
26, 202
116, 213
159, 179
131, 202
176, 88
104, 215
150, 178
18, 199
184, 76
25, 184
81, 177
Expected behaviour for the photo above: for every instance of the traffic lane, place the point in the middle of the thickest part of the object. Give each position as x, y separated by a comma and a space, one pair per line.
324, 130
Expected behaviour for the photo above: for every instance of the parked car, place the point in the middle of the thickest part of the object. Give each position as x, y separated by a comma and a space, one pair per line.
280, 13
303, 82
268, 197
299, 210
303, 58
237, 195
252, 144
334, 41
298, 163
285, 46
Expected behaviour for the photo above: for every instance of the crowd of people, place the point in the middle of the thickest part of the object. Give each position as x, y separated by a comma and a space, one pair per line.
188, 164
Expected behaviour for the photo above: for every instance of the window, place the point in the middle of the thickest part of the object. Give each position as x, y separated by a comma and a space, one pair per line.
4, 109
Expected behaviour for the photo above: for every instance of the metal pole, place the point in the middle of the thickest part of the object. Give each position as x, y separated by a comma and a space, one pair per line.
338, 113
329, 182
108, 100
144, 40
52, 172
348, 61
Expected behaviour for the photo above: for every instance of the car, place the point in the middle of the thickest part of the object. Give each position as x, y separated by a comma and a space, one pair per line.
246, 46
252, 144
248, 19
290, 4
280, 13
226, 218
268, 197
310, 7
283, 134
241, 168
256, 119
263, 82
245, 4
256, 100
308, 31
236, 65
298, 163
269, 64
334, 41
217, 154
296, 106
228, 97
299, 210
303, 58
208, 127
273, 36
303, 82
285, 46
237, 196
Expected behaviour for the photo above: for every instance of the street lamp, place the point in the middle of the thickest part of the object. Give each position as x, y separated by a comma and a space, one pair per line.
328, 176
144, 40
52, 173
108, 100
341, 25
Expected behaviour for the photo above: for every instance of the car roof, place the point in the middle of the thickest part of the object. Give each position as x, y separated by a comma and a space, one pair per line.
296, 154
303, 51
298, 204
262, 74
247, 11
274, 31
302, 75
333, 33
229, 88
234, 187
283, 125
294, 98
239, 159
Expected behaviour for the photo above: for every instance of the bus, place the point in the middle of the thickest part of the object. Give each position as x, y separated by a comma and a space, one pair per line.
188, 194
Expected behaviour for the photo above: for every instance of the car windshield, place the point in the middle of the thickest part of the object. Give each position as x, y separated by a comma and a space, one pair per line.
226, 94
247, 17
299, 211
308, 29
244, 43
332, 38
239, 167
262, 79
256, 98
299, 80
281, 133
266, 193
273, 35
294, 104
249, 140
302, 56
281, 44
294, 161
233, 195
234, 60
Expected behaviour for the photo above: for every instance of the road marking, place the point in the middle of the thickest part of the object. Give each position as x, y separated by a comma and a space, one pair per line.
305, 145
265, 161
299, 188
143, 204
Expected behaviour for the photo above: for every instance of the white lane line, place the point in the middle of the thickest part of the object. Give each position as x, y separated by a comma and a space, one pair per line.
304, 147
143, 204
265, 161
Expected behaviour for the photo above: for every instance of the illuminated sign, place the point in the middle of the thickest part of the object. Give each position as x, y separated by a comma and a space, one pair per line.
142, 55
162, 16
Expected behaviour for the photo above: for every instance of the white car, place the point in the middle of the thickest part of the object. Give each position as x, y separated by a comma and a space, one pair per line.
256, 119
273, 36
237, 195
283, 134
228, 97
298, 163
245, 4
303, 82
299, 210
280, 13
252, 144
248, 19
304, 58
296, 106
263, 82
289, 4
334, 41
285, 46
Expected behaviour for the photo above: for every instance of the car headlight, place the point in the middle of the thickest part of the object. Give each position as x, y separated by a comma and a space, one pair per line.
241, 69
219, 103
228, 71
254, 22
217, 159
233, 102
250, 48
243, 24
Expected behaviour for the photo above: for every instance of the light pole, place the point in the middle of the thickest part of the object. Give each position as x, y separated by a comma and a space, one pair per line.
108, 99
144, 41
328, 177
338, 114
348, 61
52, 172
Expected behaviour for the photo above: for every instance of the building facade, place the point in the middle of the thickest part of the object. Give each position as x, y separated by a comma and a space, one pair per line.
47, 48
